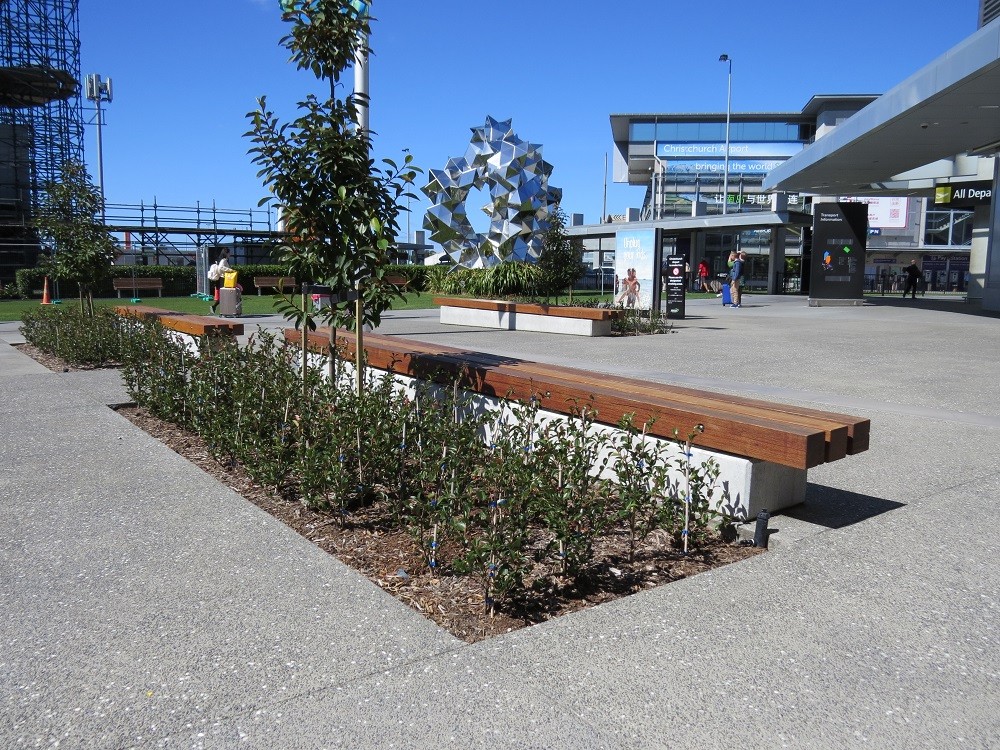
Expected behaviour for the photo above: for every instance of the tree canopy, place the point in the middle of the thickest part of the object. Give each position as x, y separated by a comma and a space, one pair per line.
340, 208
70, 227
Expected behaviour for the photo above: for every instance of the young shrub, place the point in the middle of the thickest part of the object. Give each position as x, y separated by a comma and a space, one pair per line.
575, 501
644, 491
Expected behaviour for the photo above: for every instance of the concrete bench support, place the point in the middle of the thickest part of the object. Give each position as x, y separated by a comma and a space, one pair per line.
516, 316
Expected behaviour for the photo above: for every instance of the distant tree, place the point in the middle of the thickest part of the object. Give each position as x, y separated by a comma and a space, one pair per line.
339, 207
561, 259
69, 226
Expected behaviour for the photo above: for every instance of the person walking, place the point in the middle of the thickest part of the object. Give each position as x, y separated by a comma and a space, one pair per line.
913, 277
216, 274
703, 272
736, 278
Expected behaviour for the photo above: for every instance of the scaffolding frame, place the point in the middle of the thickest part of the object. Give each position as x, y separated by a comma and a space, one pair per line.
41, 116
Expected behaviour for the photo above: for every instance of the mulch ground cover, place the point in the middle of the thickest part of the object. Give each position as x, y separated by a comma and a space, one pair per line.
392, 559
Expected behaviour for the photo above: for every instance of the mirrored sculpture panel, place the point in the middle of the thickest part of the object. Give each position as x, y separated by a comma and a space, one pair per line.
520, 198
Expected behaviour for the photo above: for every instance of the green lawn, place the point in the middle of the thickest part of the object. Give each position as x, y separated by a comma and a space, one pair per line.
252, 304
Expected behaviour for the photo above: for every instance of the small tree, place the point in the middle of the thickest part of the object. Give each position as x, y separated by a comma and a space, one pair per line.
561, 260
339, 207
69, 224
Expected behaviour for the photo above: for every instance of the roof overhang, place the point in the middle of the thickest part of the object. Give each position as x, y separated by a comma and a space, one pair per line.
715, 223
950, 107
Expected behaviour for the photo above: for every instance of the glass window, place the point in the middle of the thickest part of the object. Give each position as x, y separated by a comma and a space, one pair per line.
948, 228
666, 131
687, 131
641, 131
751, 131
961, 228
712, 131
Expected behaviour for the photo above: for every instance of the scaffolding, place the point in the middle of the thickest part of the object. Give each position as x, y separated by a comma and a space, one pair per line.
155, 234
41, 118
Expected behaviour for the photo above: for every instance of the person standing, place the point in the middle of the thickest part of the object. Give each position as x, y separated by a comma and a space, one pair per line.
913, 277
216, 274
736, 278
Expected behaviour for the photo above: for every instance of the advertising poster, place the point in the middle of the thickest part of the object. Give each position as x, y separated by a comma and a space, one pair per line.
884, 213
840, 236
637, 268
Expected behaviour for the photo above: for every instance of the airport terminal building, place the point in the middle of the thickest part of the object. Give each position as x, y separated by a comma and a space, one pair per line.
680, 160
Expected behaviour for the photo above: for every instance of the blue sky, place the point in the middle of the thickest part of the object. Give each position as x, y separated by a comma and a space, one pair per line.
186, 73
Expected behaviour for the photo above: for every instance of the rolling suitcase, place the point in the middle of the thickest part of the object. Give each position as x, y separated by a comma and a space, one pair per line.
727, 295
230, 302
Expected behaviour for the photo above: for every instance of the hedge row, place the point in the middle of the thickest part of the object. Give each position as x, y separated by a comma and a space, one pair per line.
180, 281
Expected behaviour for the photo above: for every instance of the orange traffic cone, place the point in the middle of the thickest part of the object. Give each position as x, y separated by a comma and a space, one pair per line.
46, 300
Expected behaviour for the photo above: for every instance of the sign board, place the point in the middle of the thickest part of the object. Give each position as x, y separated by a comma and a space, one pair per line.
769, 149
676, 286
637, 267
964, 194
710, 166
840, 234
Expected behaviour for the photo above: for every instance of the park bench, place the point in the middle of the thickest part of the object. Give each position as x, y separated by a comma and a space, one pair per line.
522, 316
183, 323
278, 283
128, 284
764, 448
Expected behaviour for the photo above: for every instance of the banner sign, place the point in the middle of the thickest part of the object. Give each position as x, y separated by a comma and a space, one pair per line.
884, 213
713, 166
840, 234
774, 149
964, 194
637, 268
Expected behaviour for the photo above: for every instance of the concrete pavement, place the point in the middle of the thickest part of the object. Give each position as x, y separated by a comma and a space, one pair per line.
146, 605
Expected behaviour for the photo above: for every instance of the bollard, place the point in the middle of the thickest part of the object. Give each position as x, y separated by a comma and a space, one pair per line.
760, 532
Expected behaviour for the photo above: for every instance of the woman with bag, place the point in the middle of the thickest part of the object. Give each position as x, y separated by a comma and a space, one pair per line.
216, 273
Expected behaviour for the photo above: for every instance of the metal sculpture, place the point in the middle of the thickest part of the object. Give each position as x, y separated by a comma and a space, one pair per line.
521, 200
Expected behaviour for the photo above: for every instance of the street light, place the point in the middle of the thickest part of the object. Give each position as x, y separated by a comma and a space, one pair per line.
729, 99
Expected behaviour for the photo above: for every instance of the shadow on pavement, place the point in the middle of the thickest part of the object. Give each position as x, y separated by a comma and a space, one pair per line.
835, 509
951, 304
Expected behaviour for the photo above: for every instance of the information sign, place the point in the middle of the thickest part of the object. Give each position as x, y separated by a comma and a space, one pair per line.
840, 233
676, 286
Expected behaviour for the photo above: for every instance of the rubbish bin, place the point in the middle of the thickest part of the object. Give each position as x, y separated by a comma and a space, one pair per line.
320, 296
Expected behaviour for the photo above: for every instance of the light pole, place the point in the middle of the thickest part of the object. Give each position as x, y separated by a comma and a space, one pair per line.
729, 100
99, 91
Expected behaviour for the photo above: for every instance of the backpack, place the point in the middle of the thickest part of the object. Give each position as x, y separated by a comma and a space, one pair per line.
213, 272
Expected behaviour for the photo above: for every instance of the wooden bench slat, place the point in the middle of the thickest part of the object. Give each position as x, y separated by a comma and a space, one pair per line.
195, 325
124, 283
585, 313
835, 432
858, 428
845, 434
769, 436
272, 282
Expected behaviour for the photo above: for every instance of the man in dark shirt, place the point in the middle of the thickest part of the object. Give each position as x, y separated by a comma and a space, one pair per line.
912, 277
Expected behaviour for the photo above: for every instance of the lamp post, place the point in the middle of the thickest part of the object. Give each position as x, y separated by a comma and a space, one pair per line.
729, 100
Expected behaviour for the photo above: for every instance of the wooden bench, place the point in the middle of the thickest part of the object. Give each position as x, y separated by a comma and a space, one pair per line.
521, 316
185, 323
792, 436
127, 284
273, 282
764, 449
